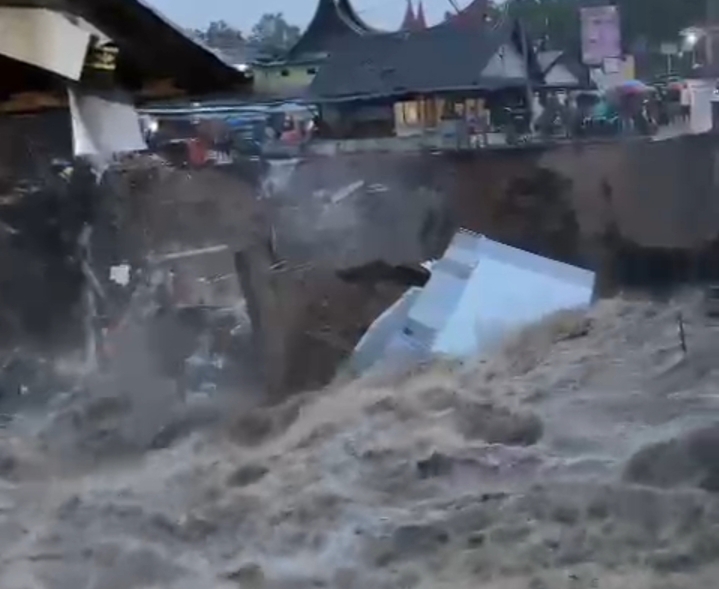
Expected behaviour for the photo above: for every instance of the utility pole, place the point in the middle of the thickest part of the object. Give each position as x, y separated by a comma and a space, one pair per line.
711, 45
525, 55
453, 3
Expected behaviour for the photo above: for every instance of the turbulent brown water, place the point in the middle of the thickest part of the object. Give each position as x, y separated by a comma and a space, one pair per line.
579, 455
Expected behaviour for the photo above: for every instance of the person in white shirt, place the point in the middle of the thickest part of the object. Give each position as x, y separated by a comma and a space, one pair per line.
686, 102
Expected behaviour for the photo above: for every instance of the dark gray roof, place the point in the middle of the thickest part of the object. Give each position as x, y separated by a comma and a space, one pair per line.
345, 6
440, 58
157, 45
548, 59
330, 25
151, 48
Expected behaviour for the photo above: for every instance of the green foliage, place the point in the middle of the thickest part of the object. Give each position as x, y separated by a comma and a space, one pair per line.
659, 20
644, 22
553, 23
220, 35
272, 34
224, 38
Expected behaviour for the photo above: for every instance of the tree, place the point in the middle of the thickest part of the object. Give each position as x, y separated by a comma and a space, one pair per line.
556, 22
553, 24
273, 35
219, 35
659, 20
225, 39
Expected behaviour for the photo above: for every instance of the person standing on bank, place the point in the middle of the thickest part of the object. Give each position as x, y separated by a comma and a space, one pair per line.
686, 102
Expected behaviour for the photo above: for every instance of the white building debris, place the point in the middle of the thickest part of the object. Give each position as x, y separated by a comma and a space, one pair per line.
45, 39
479, 292
120, 274
103, 126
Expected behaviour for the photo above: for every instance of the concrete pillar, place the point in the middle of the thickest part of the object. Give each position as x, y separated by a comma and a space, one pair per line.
266, 310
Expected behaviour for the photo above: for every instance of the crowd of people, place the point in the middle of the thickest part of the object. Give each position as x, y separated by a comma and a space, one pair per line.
640, 110
633, 108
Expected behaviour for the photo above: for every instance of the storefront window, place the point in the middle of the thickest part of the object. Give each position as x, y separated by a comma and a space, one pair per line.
407, 113
471, 108
448, 111
430, 112
410, 113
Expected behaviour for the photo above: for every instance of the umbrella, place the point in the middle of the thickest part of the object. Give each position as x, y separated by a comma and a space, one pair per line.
628, 90
632, 87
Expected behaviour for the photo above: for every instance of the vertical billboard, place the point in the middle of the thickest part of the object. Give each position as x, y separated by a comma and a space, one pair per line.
601, 37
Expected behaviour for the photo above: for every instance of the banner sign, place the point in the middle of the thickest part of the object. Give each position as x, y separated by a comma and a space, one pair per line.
102, 57
601, 37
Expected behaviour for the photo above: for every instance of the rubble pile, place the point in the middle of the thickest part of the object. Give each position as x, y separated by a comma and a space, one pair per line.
578, 455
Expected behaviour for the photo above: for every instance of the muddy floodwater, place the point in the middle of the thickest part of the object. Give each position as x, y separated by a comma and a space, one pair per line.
581, 454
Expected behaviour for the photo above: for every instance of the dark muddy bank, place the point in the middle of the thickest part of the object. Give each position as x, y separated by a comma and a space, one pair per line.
640, 213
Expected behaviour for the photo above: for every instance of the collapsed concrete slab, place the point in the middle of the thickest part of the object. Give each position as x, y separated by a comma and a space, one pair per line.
480, 291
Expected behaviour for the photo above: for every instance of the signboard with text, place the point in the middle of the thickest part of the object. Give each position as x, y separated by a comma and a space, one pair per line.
601, 37
669, 49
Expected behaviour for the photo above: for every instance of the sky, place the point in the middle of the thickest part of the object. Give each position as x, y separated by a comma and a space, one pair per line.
242, 14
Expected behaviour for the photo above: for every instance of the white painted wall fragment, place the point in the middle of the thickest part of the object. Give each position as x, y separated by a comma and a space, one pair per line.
45, 39
480, 291
104, 125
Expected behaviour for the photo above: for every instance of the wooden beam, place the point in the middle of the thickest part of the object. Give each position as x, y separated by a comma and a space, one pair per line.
33, 101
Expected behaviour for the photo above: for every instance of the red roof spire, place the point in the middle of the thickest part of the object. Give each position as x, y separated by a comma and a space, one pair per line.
409, 23
419, 21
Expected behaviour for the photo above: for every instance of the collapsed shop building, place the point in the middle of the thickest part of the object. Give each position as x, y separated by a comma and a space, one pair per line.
72, 72
79, 226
